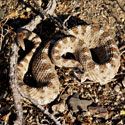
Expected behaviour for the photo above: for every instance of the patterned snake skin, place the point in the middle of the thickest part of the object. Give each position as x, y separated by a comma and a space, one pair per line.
100, 67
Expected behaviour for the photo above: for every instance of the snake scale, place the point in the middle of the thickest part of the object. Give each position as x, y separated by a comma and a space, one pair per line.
82, 43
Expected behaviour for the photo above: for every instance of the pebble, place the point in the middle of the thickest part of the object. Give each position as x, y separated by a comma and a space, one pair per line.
117, 88
28, 9
122, 112
59, 108
98, 111
123, 82
78, 104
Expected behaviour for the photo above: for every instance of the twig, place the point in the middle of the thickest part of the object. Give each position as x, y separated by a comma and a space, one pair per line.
65, 21
122, 49
13, 82
44, 14
39, 106
32, 25
2, 35
120, 6
49, 13
51, 7
13, 74
49, 10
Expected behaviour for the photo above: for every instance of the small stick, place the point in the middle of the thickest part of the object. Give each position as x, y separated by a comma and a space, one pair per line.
13, 82
39, 106
13, 72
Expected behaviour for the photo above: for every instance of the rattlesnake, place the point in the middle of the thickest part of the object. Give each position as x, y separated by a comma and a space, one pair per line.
82, 42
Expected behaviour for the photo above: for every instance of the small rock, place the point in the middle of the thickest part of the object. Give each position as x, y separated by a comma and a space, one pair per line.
98, 111
117, 88
59, 108
120, 122
71, 117
122, 112
64, 96
123, 82
28, 9
96, 100
78, 104
1, 14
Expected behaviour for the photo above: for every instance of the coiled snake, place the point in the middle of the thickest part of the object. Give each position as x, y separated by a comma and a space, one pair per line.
83, 42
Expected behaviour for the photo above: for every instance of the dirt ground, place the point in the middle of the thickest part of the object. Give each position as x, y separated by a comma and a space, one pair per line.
86, 103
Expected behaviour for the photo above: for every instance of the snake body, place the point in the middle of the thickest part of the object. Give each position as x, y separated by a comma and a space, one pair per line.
82, 43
